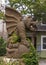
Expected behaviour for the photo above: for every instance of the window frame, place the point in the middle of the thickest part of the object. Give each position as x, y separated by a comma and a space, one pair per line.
43, 36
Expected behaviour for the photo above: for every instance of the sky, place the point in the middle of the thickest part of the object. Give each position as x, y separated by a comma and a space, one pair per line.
2, 1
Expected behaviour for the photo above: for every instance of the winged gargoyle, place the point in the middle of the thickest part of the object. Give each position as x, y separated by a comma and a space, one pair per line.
15, 22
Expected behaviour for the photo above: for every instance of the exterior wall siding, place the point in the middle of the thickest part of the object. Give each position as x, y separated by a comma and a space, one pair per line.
41, 53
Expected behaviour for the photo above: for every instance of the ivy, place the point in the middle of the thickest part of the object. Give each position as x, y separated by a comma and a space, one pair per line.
1, 15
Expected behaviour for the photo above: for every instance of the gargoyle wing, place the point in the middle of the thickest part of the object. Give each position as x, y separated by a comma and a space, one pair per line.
12, 17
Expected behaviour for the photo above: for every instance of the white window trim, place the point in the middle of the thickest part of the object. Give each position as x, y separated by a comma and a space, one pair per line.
42, 42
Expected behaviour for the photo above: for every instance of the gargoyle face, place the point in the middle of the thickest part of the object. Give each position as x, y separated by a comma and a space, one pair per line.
30, 23
32, 27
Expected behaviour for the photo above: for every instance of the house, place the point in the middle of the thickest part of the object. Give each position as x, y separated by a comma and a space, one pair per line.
41, 39
38, 37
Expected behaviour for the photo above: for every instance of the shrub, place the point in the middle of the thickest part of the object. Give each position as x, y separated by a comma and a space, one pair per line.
2, 46
30, 58
1, 15
1, 41
14, 38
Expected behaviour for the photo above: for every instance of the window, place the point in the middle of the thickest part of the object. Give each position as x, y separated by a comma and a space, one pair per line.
43, 42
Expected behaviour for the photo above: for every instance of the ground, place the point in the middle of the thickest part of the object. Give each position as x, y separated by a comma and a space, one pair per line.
42, 62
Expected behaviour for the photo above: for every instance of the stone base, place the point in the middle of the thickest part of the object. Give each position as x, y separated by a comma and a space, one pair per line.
13, 61
17, 52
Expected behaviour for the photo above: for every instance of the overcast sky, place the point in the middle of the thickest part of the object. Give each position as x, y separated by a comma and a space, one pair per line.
2, 1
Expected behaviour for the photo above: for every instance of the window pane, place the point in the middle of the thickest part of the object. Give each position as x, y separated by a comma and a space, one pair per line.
44, 43
44, 46
44, 40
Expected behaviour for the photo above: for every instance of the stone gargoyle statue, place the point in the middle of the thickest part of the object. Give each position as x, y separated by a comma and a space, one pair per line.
16, 23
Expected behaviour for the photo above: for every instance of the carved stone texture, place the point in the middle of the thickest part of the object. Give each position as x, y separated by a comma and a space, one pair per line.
28, 21
30, 24
21, 29
22, 50
22, 33
14, 23
16, 52
16, 45
26, 43
13, 45
13, 53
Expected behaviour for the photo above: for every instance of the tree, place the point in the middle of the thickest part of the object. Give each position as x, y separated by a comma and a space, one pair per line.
37, 7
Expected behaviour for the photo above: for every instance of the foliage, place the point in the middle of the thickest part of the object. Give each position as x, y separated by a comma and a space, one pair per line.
2, 46
16, 63
2, 62
31, 58
2, 51
36, 7
14, 38
1, 15
39, 10
1, 41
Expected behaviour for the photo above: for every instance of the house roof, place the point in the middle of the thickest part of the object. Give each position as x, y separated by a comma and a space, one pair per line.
41, 28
